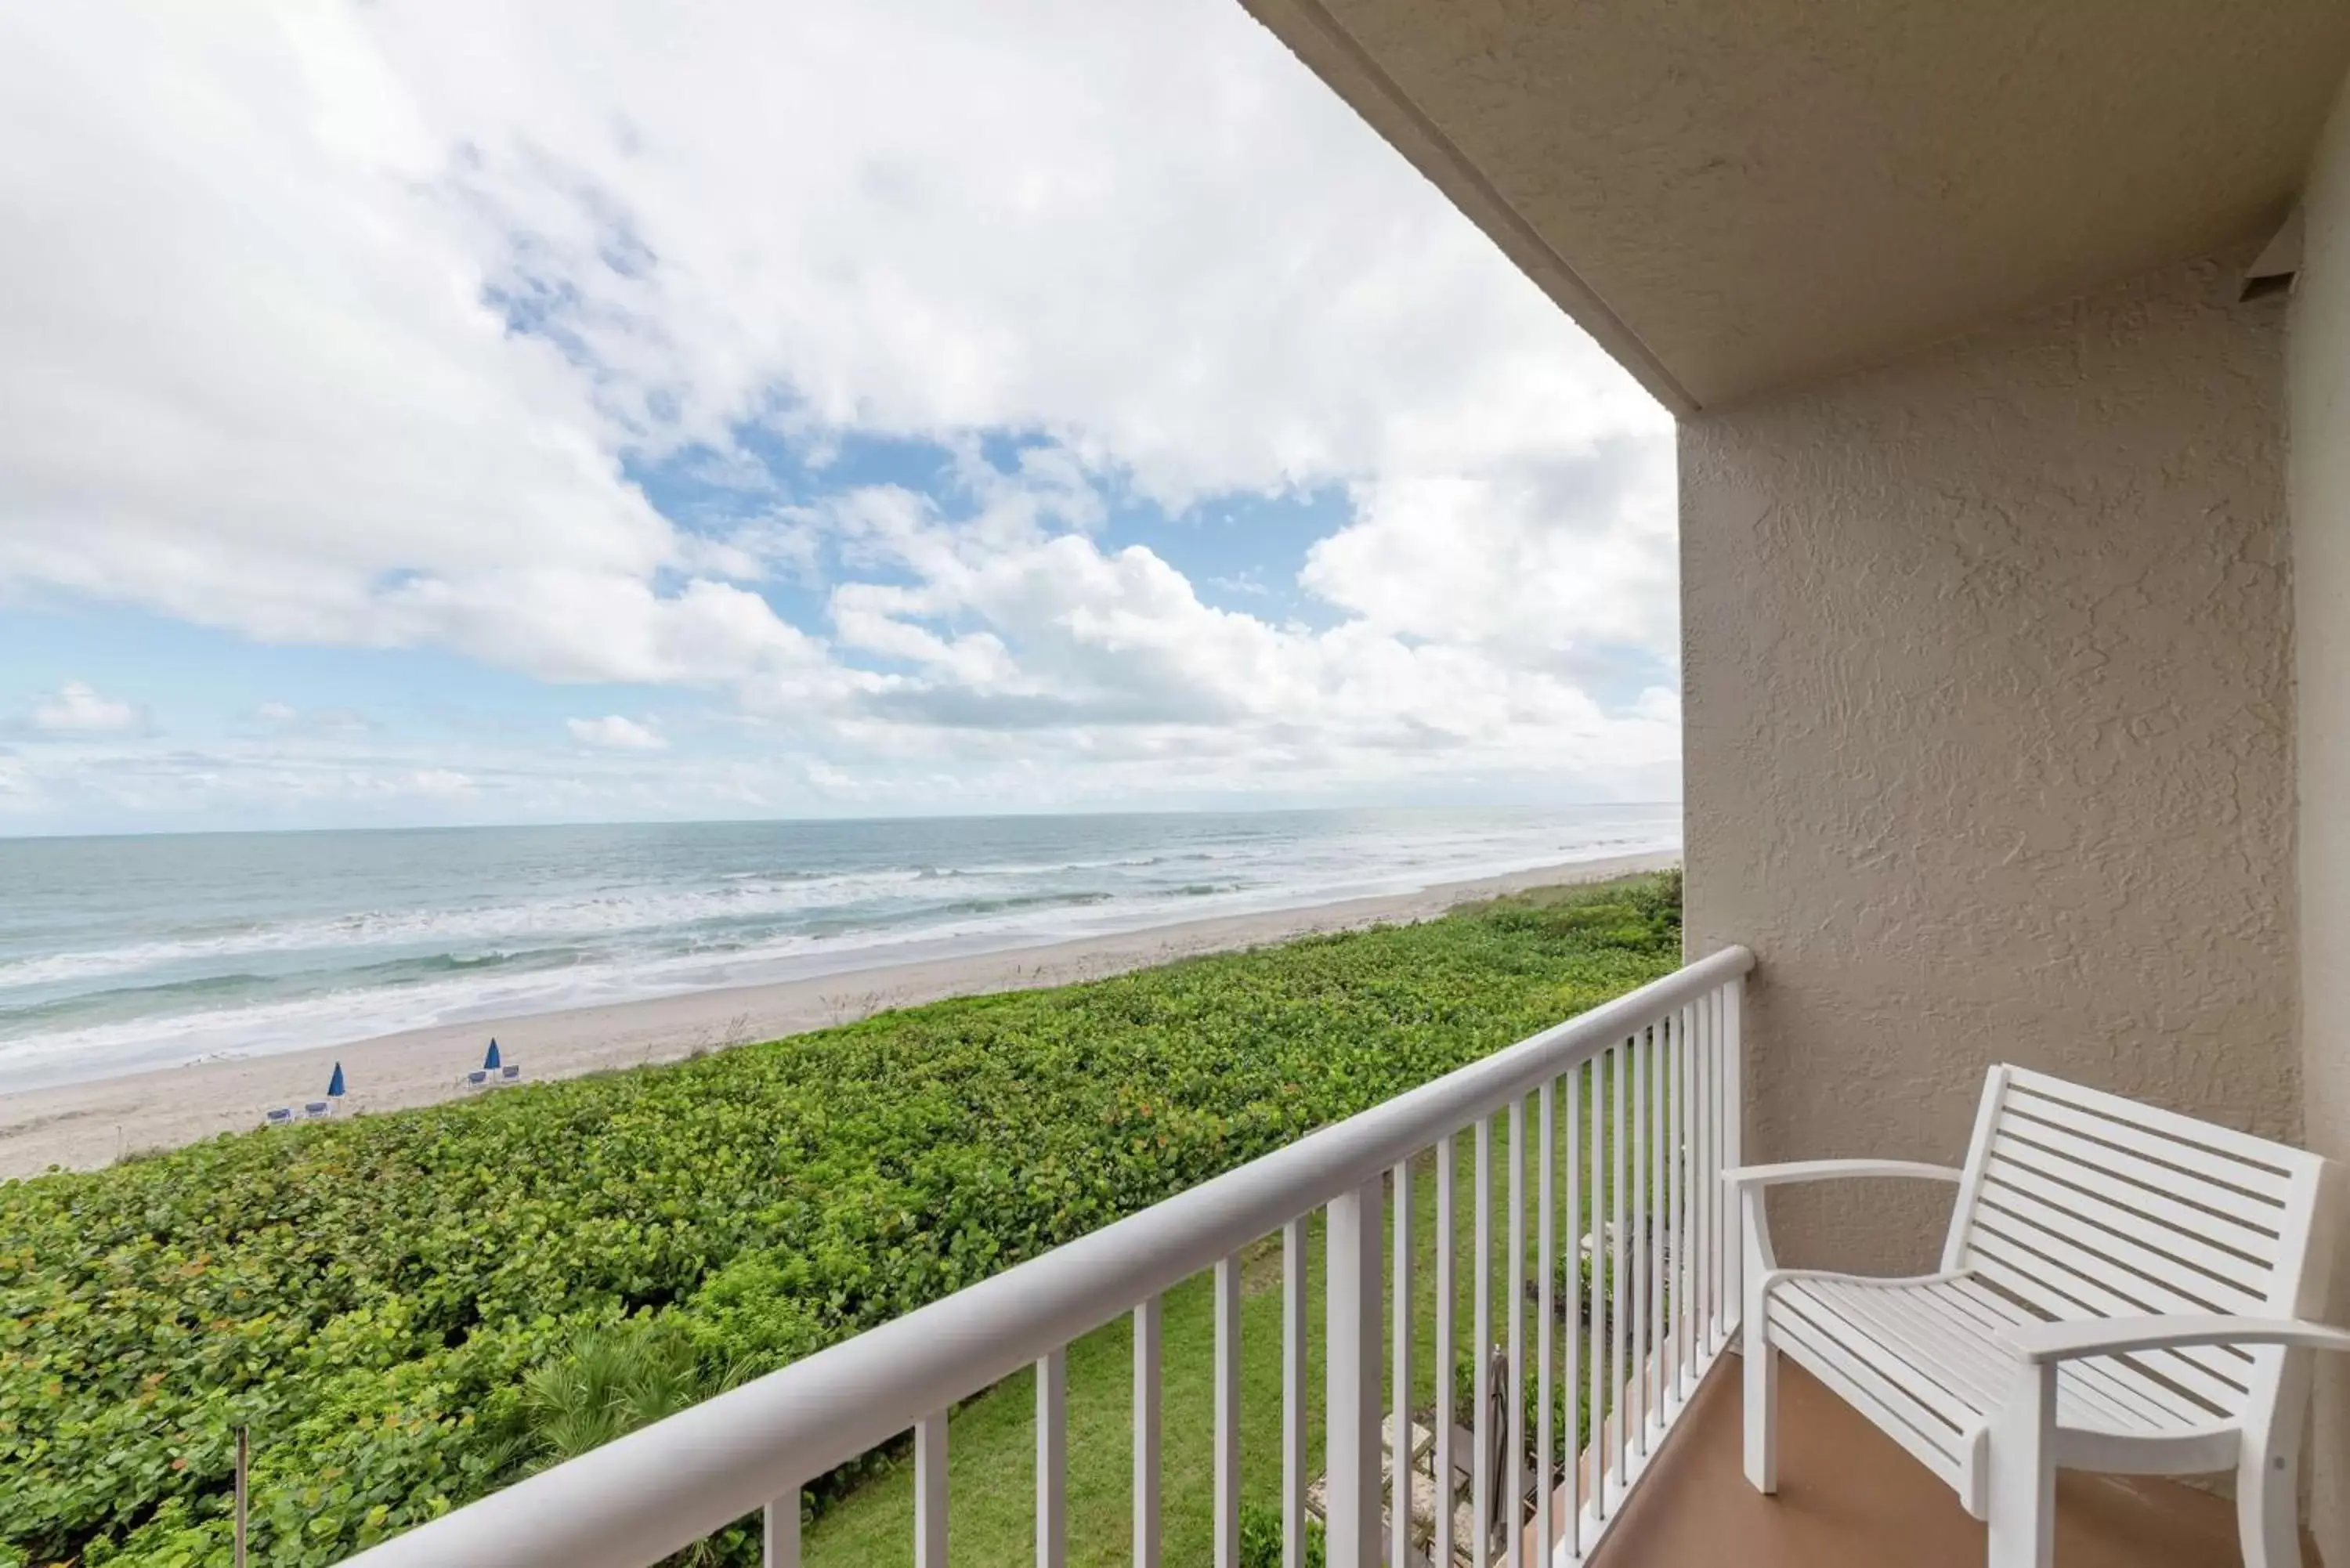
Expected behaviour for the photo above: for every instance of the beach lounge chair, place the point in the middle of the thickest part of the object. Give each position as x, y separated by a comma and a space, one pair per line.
510, 1073
478, 1078
282, 1116
317, 1110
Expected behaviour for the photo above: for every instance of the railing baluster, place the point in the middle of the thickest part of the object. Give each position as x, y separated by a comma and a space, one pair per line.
1701, 1195
1146, 1434
1728, 999
1726, 1257
1545, 1309
1596, 1412
1681, 1172
1669, 1300
1399, 1553
930, 1491
779, 1546
1350, 1450
1709, 1184
1514, 1454
1442, 1465
1571, 1388
1480, 1417
1636, 1393
1228, 1413
1726, 1268
1293, 1394
1619, 1367
1658, 1377
1053, 1460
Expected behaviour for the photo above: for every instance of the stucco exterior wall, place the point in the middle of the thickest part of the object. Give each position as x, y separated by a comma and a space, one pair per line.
2318, 397
1987, 727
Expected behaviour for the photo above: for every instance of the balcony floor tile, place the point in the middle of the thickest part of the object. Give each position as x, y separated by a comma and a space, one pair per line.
1849, 1495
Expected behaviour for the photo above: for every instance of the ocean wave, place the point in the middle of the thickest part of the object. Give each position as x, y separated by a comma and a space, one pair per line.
132, 1001
736, 897
212, 992
641, 909
532, 932
394, 971
1028, 901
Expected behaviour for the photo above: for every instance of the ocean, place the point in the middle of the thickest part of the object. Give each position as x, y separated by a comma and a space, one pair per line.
122, 954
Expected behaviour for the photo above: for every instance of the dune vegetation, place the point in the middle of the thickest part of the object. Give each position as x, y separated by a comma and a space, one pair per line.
411, 1310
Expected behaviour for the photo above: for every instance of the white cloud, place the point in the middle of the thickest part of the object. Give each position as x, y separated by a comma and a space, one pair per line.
437, 783
1144, 229
250, 381
614, 733
299, 780
77, 709
349, 324
286, 723
1106, 658
1531, 558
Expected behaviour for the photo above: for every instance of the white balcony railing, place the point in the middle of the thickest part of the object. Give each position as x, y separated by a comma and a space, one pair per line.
1635, 1106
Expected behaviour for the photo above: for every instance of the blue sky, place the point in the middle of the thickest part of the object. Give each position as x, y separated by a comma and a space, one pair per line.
416, 415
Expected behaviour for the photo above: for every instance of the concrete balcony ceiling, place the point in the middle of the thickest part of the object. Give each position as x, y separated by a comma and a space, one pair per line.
1734, 196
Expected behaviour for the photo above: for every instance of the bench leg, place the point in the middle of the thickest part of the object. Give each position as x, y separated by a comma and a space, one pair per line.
2268, 1511
2022, 1481
1754, 1347
1762, 1375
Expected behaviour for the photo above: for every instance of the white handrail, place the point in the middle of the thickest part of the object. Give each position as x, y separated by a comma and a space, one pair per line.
637, 1500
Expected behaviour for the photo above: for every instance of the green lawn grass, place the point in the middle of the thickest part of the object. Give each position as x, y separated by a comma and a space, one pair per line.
992, 1439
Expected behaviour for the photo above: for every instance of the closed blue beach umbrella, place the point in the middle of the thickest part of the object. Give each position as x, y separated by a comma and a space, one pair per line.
489, 1061
335, 1084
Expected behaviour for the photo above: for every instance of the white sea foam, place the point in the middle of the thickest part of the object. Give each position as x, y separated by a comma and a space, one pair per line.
632, 910
377, 933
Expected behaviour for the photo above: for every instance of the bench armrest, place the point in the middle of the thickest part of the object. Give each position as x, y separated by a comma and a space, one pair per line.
1749, 1182
2039, 1344
1748, 1176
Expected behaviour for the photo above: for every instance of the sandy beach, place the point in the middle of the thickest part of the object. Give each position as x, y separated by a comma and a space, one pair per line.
79, 1126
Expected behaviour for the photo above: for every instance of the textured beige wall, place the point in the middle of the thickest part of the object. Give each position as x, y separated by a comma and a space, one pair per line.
1987, 674
2317, 359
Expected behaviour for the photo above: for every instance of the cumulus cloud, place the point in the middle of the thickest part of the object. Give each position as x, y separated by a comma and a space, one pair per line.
364, 325
438, 783
1109, 659
1143, 230
288, 723
614, 733
1530, 556
252, 379
75, 709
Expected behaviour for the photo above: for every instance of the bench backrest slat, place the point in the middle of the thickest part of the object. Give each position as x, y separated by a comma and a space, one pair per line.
2081, 1204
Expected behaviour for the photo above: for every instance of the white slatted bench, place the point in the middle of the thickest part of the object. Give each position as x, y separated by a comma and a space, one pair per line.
2122, 1289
